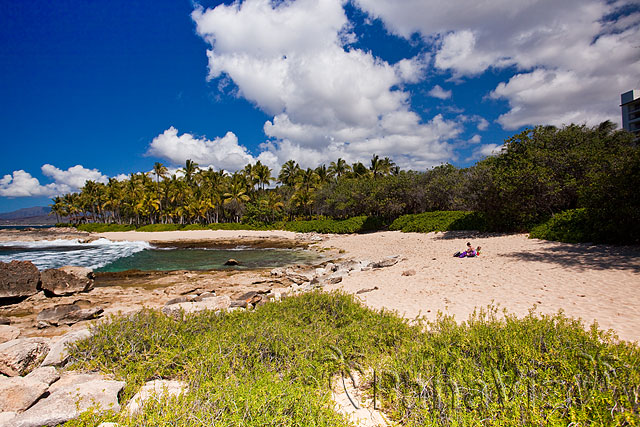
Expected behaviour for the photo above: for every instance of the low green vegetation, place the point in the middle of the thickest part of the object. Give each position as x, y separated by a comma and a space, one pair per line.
359, 224
272, 366
440, 221
571, 226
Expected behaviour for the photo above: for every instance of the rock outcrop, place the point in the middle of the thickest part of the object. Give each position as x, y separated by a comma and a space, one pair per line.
8, 333
58, 353
68, 397
19, 356
18, 279
66, 280
213, 304
19, 393
66, 314
157, 389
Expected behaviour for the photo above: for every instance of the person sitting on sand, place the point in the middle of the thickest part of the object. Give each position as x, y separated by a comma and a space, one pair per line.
470, 252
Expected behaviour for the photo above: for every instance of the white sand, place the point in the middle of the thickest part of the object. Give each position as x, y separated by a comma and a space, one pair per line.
599, 283
186, 235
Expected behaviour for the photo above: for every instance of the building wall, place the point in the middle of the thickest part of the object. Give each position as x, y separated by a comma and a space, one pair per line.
630, 103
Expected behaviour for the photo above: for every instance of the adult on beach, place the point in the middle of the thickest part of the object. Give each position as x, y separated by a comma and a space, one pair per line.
469, 252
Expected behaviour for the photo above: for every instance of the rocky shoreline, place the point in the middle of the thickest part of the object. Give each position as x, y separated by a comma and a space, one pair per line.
60, 305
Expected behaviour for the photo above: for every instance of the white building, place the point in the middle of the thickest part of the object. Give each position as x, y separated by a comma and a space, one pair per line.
630, 103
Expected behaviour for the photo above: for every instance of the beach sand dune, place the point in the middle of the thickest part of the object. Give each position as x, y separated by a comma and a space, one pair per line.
592, 282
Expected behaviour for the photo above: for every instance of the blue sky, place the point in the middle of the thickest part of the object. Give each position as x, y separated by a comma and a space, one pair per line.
92, 90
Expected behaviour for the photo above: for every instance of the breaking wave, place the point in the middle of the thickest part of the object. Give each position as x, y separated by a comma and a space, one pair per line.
57, 253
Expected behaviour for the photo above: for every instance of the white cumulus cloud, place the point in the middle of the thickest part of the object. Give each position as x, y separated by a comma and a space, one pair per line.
327, 99
439, 92
23, 184
573, 57
220, 153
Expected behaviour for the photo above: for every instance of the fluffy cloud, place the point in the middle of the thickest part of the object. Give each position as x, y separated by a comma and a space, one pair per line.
438, 92
74, 177
573, 57
220, 153
327, 100
23, 184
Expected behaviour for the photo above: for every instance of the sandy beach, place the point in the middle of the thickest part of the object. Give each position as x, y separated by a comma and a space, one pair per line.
592, 282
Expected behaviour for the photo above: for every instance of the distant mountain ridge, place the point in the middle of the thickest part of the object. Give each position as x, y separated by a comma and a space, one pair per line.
26, 213
37, 215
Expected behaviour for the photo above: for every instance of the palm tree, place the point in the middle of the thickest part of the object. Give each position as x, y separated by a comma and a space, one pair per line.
289, 173
339, 168
359, 170
160, 171
263, 175
236, 197
380, 167
323, 174
190, 168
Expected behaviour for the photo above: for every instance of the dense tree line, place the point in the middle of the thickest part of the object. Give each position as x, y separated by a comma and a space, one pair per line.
539, 172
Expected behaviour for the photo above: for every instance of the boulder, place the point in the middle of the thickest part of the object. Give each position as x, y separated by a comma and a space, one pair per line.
334, 279
19, 393
409, 272
67, 314
66, 280
8, 333
17, 357
232, 261
205, 295
157, 389
178, 300
386, 262
298, 278
213, 303
46, 374
6, 418
18, 279
4, 320
251, 297
70, 397
277, 272
58, 353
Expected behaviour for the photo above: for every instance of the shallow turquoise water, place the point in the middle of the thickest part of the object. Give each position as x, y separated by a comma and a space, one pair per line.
209, 259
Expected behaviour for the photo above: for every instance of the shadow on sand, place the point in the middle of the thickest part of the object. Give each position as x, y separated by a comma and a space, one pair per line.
571, 255
585, 256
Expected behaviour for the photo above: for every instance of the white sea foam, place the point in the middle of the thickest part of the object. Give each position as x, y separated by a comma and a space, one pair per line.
57, 253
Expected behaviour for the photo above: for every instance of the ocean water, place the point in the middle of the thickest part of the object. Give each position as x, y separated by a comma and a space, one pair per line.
109, 256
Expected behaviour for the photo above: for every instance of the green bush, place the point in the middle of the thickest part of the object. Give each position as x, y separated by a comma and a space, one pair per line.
440, 221
570, 226
161, 227
272, 366
358, 224
103, 228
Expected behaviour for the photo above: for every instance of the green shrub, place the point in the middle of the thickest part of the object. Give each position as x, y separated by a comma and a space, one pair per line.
358, 224
272, 366
161, 227
103, 228
570, 226
440, 221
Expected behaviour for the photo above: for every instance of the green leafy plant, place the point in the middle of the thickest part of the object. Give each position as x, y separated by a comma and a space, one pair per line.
440, 221
270, 366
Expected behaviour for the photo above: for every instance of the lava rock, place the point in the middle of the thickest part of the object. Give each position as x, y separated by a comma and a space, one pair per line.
18, 279
67, 280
